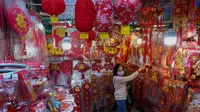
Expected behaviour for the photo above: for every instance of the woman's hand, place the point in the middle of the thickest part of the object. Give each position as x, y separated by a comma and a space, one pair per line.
142, 68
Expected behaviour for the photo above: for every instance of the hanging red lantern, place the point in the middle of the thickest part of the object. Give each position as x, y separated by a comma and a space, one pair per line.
54, 8
126, 10
104, 18
84, 17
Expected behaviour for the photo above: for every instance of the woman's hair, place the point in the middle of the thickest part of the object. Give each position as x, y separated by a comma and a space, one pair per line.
115, 70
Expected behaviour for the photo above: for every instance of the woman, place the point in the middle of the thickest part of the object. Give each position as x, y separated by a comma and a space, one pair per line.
119, 82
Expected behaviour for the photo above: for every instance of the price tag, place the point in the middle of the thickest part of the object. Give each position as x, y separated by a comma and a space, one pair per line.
125, 30
83, 35
103, 35
54, 19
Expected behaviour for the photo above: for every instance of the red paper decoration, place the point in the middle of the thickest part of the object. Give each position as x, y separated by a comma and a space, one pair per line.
104, 18
76, 35
81, 67
84, 15
66, 66
19, 20
180, 12
126, 10
53, 7
86, 87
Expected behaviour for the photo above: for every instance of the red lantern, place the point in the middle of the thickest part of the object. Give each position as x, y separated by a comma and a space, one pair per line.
54, 8
104, 18
84, 17
126, 10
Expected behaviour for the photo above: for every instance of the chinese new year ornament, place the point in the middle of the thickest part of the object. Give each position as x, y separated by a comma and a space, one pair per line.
84, 17
126, 10
53, 8
104, 18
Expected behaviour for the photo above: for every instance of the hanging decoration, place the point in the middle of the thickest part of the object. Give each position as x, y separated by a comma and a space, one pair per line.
104, 18
102, 90
180, 16
18, 20
81, 67
109, 64
86, 88
110, 46
94, 86
96, 66
66, 67
58, 35
84, 17
126, 11
77, 91
197, 21
54, 8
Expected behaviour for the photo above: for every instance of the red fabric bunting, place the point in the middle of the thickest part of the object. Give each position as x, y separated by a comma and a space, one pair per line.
104, 18
53, 7
84, 15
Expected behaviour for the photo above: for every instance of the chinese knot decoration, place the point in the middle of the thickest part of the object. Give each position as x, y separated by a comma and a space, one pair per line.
84, 17
104, 17
54, 8
19, 20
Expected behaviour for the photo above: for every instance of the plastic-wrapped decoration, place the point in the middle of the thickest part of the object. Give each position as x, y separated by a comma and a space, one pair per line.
126, 10
104, 18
